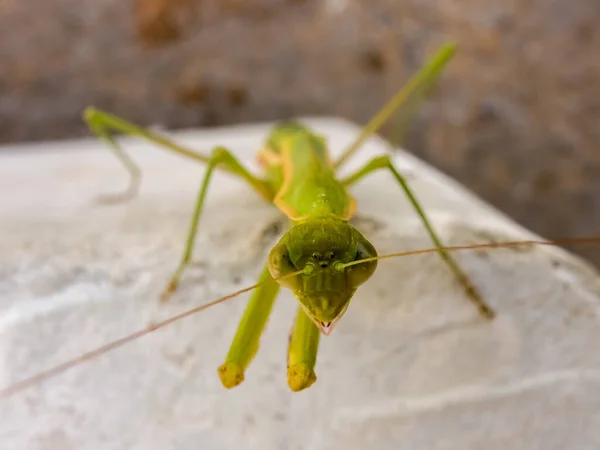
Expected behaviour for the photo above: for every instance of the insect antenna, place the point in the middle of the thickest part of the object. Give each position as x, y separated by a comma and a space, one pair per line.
42, 376
525, 243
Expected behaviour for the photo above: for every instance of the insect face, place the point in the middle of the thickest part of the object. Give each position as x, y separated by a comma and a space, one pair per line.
321, 248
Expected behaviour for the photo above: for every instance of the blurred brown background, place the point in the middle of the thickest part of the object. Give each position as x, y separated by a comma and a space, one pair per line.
516, 117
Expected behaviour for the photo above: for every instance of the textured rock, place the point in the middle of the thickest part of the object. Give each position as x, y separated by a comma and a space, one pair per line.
411, 365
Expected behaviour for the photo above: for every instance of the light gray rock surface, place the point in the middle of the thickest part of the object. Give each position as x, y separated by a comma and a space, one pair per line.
411, 365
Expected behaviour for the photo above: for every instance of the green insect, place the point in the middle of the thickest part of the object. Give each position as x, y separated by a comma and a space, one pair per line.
301, 180
322, 259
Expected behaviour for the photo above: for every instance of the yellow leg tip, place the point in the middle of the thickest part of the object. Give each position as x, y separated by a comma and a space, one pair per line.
231, 374
300, 377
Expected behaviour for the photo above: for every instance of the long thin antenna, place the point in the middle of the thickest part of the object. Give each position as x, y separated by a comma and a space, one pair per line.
556, 242
31, 381
27, 382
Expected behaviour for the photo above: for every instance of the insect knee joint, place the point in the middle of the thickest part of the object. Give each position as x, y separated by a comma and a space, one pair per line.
220, 154
381, 161
89, 114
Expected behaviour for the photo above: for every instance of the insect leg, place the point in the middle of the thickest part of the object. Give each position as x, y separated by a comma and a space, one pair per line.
302, 352
384, 162
220, 157
245, 343
104, 125
417, 87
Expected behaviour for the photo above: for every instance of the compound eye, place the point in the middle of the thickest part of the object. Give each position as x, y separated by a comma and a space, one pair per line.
360, 273
281, 265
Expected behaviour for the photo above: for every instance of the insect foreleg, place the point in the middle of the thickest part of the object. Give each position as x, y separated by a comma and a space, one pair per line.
384, 162
245, 343
104, 125
220, 157
302, 352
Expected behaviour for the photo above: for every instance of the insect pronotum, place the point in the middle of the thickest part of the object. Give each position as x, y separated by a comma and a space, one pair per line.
322, 259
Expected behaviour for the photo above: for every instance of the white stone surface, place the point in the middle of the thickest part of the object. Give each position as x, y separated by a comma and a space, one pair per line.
411, 365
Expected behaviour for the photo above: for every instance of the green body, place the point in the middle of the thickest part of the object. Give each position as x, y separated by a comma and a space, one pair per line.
299, 171
318, 254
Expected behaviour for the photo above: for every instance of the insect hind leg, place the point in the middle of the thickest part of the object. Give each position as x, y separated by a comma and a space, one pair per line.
103, 125
415, 89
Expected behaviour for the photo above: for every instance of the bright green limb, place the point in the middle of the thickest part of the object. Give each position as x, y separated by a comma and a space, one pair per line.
219, 157
384, 162
302, 352
401, 123
418, 84
245, 343
104, 124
